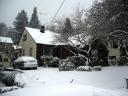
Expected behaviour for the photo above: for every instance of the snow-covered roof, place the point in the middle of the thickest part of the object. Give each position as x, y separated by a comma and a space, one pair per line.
48, 37
6, 40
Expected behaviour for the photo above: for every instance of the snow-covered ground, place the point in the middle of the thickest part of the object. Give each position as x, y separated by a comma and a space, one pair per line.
50, 82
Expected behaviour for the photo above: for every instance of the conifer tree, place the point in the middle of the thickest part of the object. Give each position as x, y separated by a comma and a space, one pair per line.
67, 29
34, 21
20, 22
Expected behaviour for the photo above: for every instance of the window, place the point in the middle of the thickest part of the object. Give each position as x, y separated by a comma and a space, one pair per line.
5, 60
24, 37
47, 51
30, 51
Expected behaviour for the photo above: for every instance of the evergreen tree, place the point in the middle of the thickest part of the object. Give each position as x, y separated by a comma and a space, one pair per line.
67, 26
101, 18
34, 21
3, 29
20, 22
67, 29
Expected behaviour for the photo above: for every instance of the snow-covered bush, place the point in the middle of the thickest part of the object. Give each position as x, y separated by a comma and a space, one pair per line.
96, 68
65, 65
1, 75
9, 79
50, 61
95, 62
112, 62
77, 60
83, 68
122, 60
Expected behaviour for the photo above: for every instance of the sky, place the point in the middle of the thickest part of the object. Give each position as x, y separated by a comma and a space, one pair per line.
10, 8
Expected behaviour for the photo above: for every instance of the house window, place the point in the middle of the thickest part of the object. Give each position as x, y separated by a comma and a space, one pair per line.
30, 51
24, 37
47, 51
5, 60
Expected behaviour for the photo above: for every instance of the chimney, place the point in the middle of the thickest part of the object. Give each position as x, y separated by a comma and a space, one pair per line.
42, 29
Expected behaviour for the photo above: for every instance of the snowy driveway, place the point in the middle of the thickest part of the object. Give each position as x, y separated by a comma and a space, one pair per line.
50, 82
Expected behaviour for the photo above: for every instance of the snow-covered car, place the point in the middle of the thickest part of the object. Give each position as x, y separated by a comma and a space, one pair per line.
25, 62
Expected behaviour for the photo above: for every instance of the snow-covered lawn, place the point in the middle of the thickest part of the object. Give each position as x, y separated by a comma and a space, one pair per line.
50, 82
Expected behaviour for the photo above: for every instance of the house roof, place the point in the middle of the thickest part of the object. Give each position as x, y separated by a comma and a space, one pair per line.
6, 40
48, 37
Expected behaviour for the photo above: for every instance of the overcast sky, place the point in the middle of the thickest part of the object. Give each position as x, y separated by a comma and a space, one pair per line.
10, 8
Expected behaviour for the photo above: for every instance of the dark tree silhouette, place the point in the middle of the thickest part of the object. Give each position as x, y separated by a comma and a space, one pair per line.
34, 21
20, 22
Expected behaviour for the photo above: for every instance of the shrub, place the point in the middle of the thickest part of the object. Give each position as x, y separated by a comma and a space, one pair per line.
83, 68
1, 75
96, 68
122, 60
9, 79
77, 60
112, 62
94, 62
65, 65
50, 61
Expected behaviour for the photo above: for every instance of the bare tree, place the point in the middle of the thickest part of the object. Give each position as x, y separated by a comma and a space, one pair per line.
75, 35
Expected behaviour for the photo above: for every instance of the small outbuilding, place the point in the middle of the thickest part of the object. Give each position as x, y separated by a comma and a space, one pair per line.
6, 51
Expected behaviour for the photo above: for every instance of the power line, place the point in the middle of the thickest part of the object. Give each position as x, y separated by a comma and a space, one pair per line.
58, 11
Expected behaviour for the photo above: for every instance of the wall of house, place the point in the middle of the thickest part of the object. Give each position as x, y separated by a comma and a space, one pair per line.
114, 49
61, 52
5, 60
7, 48
114, 52
27, 44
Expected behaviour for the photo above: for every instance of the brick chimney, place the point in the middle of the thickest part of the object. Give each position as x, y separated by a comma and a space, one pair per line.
42, 29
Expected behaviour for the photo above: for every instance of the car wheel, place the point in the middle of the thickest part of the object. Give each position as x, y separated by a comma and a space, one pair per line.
35, 68
14, 67
22, 68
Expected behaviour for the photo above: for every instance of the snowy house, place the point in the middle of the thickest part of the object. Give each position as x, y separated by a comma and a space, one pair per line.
6, 51
39, 42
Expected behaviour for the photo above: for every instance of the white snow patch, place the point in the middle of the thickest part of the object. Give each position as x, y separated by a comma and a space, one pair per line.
51, 82
65, 90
